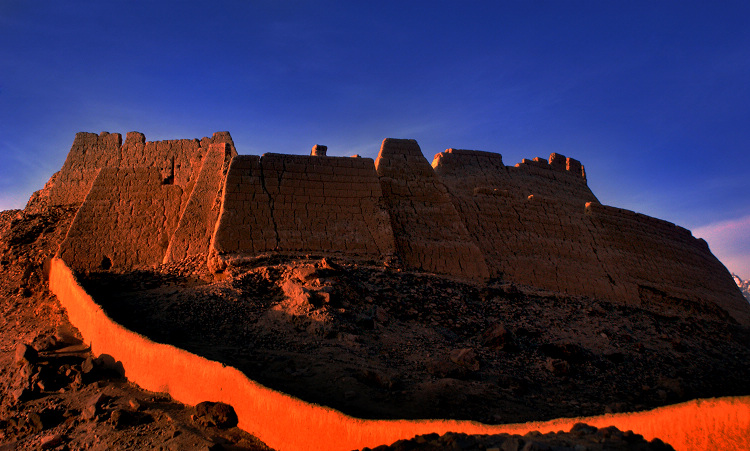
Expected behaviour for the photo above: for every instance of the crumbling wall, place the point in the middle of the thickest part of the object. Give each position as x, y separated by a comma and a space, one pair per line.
178, 161
536, 223
290, 203
539, 224
125, 222
528, 220
198, 220
89, 153
559, 177
662, 266
429, 232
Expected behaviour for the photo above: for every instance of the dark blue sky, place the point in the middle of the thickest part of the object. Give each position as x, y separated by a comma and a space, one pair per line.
652, 96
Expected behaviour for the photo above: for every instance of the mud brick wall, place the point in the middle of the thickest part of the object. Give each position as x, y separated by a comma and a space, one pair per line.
125, 221
89, 153
534, 234
559, 177
529, 231
178, 161
291, 203
245, 224
662, 266
429, 232
198, 220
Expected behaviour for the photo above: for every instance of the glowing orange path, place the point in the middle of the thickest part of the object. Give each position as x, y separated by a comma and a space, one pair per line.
287, 423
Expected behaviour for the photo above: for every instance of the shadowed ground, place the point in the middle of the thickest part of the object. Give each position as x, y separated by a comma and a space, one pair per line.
378, 343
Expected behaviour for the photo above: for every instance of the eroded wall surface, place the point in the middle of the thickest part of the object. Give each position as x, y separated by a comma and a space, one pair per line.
178, 161
198, 220
429, 232
663, 266
89, 153
536, 223
125, 222
539, 224
291, 203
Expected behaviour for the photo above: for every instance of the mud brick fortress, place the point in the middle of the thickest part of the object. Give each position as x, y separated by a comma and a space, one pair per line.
465, 215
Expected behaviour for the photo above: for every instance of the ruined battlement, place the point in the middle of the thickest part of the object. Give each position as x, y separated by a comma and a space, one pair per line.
466, 214
177, 160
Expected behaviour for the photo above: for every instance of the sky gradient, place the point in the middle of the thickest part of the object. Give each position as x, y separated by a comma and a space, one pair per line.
652, 97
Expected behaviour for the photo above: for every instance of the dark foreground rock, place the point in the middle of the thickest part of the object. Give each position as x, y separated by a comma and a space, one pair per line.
581, 437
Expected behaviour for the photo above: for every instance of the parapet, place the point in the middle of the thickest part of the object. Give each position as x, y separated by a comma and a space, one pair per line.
556, 162
177, 160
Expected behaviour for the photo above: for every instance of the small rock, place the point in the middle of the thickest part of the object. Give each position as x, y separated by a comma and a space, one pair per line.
134, 404
326, 295
558, 367
33, 422
497, 337
93, 406
466, 358
88, 365
51, 441
47, 344
217, 414
583, 429
25, 353
21, 394
122, 418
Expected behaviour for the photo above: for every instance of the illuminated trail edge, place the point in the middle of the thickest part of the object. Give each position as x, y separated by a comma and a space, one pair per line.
287, 423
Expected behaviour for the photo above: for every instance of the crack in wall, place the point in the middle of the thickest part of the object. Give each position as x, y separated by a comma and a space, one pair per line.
271, 201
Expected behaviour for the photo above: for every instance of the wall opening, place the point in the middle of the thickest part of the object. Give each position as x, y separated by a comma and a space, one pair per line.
106, 263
